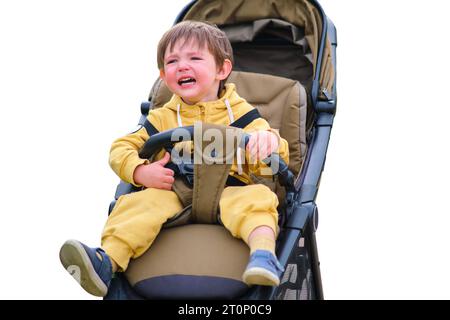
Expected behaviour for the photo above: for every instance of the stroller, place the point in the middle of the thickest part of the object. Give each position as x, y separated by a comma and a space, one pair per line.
285, 62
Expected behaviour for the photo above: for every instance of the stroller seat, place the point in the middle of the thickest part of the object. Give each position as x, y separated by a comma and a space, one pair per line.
205, 261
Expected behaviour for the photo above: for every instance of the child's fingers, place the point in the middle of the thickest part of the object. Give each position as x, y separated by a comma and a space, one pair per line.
168, 172
250, 143
164, 160
261, 145
253, 152
166, 186
250, 148
264, 147
268, 145
168, 179
273, 143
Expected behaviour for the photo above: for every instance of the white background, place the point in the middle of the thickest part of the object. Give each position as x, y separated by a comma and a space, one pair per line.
73, 74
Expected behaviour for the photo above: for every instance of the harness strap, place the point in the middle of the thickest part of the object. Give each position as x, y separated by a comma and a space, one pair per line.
210, 180
151, 130
246, 119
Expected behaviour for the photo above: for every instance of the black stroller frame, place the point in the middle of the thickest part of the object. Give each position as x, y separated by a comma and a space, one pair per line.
296, 244
297, 241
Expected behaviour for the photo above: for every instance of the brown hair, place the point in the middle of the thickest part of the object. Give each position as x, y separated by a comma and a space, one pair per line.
203, 33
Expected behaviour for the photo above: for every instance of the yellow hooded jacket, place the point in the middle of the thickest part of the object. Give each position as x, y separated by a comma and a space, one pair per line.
124, 156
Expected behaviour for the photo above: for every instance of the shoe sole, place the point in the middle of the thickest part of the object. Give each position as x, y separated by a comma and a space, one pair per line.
260, 276
77, 263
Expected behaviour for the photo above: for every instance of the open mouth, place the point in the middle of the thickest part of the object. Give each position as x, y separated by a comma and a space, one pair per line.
186, 81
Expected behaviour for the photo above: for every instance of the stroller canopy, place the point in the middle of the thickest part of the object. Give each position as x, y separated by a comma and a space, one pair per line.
298, 22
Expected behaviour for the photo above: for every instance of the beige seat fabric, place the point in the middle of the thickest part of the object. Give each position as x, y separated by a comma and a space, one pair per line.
281, 101
182, 251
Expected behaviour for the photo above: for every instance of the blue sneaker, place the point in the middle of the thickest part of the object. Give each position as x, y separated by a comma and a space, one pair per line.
263, 269
91, 272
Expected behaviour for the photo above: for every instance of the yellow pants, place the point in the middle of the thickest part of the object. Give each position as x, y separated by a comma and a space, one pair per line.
138, 217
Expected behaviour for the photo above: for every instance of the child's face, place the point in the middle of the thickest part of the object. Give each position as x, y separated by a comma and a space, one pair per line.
191, 72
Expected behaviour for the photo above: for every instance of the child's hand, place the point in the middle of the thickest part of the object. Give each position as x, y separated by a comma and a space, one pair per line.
154, 175
261, 145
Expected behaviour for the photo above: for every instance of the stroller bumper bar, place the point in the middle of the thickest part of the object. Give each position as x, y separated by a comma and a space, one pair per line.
167, 138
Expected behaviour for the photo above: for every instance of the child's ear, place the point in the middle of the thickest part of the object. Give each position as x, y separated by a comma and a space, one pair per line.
162, 75
225, 71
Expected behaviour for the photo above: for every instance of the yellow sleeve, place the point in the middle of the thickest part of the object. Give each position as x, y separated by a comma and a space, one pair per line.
124, 153
283, 148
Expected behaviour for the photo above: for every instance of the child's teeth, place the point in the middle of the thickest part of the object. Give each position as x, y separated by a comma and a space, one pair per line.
186, 80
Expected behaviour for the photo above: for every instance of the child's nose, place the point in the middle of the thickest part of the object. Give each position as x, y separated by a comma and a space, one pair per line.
182, 66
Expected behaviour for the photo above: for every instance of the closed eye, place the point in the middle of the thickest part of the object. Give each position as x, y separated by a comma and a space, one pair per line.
196, 58
171, 61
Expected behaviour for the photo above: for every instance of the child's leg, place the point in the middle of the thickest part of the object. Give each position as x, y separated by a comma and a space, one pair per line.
114, 265
250, 213
243, 209
135, 222
262, 238
130, 230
